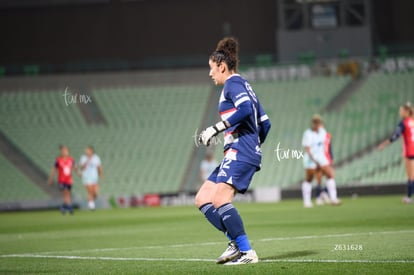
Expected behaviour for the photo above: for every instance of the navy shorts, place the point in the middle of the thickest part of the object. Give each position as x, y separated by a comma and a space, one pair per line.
65, 186
235, 173
409, 157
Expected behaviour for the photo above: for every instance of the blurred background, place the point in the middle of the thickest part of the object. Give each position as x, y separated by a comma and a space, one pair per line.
144, 66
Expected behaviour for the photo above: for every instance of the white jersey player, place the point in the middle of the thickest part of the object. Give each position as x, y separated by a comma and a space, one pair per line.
316, 159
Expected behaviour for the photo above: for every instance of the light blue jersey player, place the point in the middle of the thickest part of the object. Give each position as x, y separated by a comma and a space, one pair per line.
245, 126
91, 171
315, 141
317, 160
90, 174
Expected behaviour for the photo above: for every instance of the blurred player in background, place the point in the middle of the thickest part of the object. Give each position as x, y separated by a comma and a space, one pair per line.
405, 128
322, 196
91, 171
207, 166
245, 126
315, 158
64, 165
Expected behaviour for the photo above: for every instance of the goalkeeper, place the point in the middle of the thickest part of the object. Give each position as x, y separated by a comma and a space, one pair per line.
245, 126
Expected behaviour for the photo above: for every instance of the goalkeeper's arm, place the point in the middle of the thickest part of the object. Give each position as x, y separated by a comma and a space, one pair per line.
210, 132
243, 111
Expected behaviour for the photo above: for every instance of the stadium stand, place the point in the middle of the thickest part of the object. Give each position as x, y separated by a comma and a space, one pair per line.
374, 167
145, 145
369, 116
15, 186
151, 137
38, 122
147, 141
290, 105
371, 113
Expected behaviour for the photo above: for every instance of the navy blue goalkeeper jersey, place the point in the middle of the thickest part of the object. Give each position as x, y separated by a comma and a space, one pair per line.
242, 140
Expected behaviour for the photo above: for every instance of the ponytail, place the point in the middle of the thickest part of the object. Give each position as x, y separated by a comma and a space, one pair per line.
227, 51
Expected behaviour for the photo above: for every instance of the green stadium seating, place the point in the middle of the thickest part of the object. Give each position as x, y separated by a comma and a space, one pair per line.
290, 106
15, 186
147, 142
145, 146
371, 113
369, 116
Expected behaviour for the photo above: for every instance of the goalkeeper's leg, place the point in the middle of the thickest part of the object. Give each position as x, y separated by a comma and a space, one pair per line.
234, 224
204, 200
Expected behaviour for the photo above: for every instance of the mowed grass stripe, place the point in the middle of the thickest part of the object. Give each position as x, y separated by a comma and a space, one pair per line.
178, 240
183, 245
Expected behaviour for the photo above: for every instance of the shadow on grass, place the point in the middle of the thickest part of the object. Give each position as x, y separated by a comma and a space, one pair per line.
293, 254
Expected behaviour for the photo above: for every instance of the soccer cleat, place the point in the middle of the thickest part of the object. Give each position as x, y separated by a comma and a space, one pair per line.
249, 257
336, 202
407, 200
319, 201
63, 210
325, 197
91, 205
231, 253
308, 205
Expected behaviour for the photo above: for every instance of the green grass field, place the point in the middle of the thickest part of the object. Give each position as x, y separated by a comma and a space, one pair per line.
177, 240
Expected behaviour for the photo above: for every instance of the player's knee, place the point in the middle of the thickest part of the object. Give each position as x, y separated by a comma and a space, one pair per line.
218, 202
205, 194
224, 195
200, 200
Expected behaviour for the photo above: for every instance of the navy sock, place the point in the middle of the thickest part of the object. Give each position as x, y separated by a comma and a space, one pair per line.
234, 224
212, 216
70, 208
318, 190
410, 187
63, 208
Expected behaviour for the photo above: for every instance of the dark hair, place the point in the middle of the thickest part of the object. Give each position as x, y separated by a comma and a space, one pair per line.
227, 51
409, 108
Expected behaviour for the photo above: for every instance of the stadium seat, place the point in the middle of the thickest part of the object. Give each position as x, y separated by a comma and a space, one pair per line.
145, 146
147, 142
15, 186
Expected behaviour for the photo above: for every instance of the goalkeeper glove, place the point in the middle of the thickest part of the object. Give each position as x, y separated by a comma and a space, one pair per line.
210, 132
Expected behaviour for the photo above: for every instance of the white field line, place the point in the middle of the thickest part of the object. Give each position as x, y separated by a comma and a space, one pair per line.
196, 260
47, 253
104, 258
131, 248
